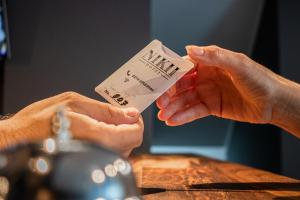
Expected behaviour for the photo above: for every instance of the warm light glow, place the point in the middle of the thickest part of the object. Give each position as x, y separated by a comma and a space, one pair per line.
4, 186
98, 176
49, 145
43, 194
110, 170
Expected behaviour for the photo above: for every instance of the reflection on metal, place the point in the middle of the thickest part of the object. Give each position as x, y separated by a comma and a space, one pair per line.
42, 166
61, 125
98, 176
64, 168
127, 169
110, 170
120, 165
39, 165
49, 145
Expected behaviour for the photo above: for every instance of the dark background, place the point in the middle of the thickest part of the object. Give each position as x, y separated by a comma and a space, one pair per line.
63, 45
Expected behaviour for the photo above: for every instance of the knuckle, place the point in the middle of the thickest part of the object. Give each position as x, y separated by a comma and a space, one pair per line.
214, 46
70, 95
241, 56
71, 99
109, 111
216, 50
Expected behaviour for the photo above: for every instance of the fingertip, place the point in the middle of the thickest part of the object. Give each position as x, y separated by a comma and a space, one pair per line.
189, 47
193, 50
131, 112
168, 123
165, 114
162, 101
159, 114
173, 123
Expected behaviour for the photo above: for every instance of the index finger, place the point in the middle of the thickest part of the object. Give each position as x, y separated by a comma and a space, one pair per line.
103, 111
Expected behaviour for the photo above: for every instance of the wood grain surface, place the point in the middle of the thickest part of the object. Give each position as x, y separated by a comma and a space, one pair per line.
192, 177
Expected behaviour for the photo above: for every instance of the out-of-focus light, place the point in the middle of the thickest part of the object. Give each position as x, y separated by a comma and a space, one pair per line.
98, 176
3, 161
100, 198
39, 165
42, 166
49, 145
127, 169
4, 186
115, 191
43, 194
110, 170
120, 165
132, 198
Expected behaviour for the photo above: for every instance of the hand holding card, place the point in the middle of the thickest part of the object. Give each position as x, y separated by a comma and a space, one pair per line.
146, 76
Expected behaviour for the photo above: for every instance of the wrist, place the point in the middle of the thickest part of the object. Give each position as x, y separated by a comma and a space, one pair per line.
15, 131
286, 109
9, 133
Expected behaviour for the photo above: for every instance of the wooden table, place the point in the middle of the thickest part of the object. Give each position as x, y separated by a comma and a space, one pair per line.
190, 177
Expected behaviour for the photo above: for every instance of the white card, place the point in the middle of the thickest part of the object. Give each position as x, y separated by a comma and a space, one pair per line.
145, 77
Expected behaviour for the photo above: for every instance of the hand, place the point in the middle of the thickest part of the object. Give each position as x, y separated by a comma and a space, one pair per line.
112, 127
224, 84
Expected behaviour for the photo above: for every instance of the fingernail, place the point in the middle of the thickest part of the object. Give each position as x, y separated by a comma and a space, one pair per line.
195, 50
131, 112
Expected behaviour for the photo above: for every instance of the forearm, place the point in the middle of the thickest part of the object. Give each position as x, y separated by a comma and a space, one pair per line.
286, 112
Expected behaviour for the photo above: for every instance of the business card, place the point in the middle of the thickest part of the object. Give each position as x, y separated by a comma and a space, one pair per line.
145, 77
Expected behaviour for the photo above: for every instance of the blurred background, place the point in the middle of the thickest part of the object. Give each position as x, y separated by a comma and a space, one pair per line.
51, 46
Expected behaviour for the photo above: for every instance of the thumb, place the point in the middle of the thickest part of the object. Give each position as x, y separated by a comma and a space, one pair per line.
217, 57
124, 115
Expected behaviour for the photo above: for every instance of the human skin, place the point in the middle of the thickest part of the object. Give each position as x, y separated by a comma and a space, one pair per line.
115, 128
230, 85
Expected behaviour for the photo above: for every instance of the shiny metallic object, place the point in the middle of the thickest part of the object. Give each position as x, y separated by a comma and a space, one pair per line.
61, 168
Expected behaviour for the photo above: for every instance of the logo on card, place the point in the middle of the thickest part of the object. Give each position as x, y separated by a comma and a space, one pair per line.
165, 67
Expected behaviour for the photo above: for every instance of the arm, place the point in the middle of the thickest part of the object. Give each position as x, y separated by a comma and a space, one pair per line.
115, 128
230, 85
286, 113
